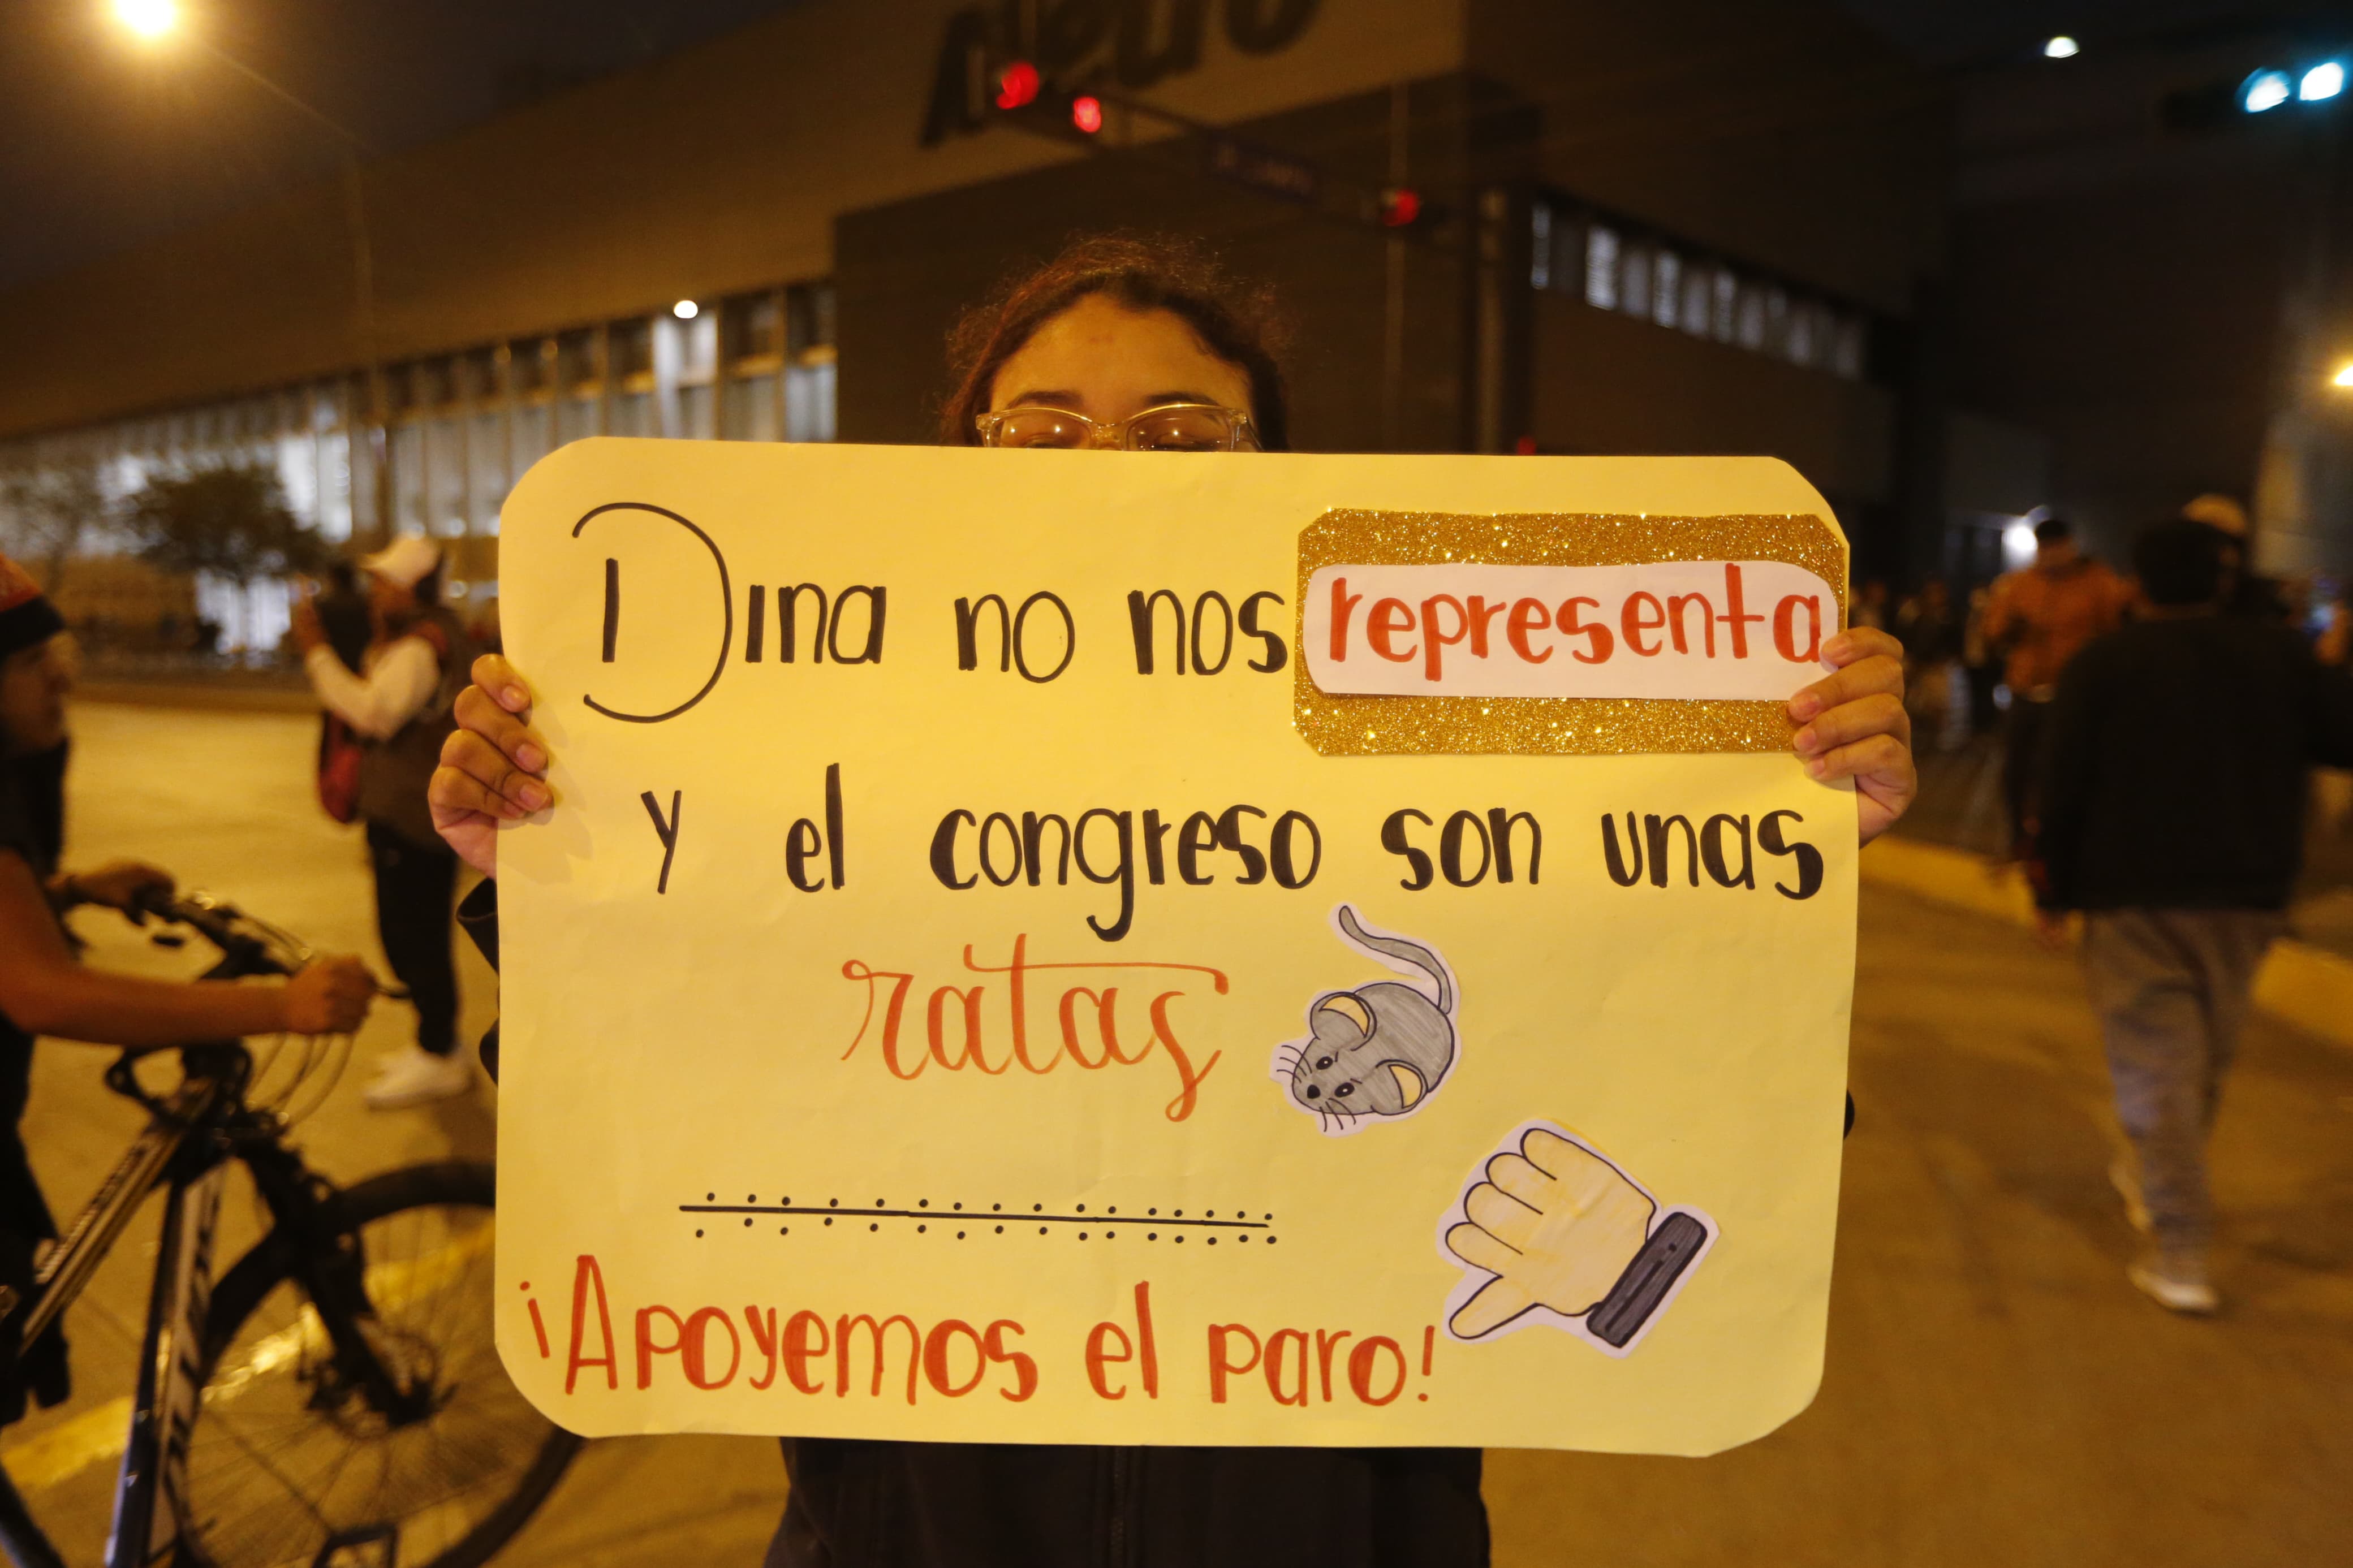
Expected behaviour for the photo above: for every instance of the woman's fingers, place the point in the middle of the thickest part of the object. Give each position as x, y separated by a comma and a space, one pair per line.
496, 677
1884, 780
475, 775
481, 715
1876, 714
1875, 673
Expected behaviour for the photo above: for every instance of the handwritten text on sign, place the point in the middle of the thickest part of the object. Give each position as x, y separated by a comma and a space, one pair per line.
1697, 629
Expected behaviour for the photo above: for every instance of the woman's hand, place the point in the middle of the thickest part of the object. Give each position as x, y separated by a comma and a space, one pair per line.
330, 997
1852, 724
122, 884
493, 768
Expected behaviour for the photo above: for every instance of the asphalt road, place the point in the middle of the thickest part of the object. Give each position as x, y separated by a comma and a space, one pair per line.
1995, 1392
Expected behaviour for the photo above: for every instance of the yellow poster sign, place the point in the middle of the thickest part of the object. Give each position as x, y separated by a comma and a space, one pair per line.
1136, 948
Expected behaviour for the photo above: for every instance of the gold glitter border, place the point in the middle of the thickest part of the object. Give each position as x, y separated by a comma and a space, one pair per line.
1362, 726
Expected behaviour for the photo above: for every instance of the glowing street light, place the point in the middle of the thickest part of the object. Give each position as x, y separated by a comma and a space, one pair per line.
2325, 80
2343, 376
686, 310
148, 18
2061, 48
2266, 89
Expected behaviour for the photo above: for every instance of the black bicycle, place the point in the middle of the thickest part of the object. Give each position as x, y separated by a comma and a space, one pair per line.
335, 1397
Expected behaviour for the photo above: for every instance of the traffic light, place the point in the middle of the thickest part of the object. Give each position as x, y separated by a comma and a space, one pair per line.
1401, 206
1016, 85
1024, 98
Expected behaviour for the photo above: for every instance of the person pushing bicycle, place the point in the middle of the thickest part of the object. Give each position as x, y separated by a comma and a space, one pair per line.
43, 988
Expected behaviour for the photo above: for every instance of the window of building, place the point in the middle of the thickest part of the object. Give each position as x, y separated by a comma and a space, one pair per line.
445, 477
629, 352
579, 363
488, 480
1749, 318
753, 327
1846, 348
530, 435
1692, 313
1601, 267
1617, 267
808, 319
1634, 278
530, 366
480, 375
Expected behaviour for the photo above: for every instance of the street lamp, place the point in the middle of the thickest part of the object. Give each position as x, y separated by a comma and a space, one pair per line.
2343, 376
154, 19
148, 18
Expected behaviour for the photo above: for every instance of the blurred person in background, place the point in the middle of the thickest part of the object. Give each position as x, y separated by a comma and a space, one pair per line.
343, 611
1089, 350
45, 990
2172, 806
1981, 662
1932, 650
1871, 606
2044, 614
343, 614
484, 628
2249, 593
398, 702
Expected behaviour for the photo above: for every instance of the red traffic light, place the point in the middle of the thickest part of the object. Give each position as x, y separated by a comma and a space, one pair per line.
1017, 84
1086, 113
1400, 204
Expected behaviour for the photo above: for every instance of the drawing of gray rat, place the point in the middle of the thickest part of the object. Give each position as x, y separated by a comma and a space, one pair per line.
1378, 1051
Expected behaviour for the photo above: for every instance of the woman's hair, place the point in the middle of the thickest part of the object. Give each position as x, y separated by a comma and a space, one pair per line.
1239, 322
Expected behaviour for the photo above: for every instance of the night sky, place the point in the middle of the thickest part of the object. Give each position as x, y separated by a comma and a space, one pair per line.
107, 140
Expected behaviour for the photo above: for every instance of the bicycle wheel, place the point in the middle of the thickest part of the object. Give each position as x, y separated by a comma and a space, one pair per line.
287, 1460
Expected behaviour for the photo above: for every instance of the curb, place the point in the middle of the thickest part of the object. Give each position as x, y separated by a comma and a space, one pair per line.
198, 694
2298, 984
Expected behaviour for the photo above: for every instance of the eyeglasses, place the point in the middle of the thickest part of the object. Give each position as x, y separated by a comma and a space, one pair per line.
1171, 427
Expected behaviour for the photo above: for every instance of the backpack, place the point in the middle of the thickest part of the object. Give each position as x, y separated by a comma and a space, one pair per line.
339, 750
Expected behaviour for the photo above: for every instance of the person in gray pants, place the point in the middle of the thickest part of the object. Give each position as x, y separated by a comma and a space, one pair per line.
2173, 788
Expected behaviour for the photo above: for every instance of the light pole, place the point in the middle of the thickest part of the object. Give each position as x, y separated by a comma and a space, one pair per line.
158, 19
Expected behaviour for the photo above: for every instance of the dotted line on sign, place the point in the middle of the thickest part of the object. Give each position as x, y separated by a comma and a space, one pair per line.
996, 1216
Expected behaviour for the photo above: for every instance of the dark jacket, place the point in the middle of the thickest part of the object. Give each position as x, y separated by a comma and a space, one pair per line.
32, 827
2175, 763
857, 1504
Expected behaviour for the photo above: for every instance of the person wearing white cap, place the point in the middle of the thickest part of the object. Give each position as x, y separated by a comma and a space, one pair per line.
399, 705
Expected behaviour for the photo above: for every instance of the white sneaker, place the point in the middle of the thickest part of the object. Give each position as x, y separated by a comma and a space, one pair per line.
412, 1076
2126, 1182
2177, 1284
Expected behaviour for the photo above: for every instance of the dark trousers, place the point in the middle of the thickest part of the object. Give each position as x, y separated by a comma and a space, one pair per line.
862, 1504
415, 887
2021, 758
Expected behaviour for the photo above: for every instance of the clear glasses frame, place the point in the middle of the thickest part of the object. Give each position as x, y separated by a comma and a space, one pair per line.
1169, 427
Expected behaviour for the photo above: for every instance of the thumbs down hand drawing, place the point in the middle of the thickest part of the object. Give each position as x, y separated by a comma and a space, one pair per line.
1561, 1234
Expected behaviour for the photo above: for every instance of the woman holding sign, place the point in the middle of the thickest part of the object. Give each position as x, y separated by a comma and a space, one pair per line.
1136, 346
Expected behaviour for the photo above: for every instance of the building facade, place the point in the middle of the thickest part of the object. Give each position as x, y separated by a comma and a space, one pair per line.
1694, 227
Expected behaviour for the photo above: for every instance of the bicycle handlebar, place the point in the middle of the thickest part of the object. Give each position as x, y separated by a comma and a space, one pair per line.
250, 945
